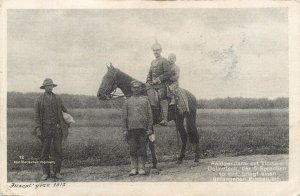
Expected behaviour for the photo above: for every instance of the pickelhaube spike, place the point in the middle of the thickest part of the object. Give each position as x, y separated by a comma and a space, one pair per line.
156, 45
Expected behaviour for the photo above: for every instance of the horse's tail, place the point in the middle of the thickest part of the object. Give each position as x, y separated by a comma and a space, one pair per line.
190, 118
192, 101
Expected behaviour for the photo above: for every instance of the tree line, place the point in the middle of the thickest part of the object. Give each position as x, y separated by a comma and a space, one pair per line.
243, 103
26, 100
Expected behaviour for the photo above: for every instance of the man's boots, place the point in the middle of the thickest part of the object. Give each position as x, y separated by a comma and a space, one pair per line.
164, 112
133, 166
141, 165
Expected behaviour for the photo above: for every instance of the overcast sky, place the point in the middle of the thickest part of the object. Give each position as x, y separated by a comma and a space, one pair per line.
221, 52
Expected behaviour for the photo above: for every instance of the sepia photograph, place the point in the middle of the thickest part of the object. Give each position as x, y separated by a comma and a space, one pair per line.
197, 94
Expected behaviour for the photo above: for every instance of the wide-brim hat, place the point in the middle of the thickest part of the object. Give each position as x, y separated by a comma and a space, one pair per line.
48, 82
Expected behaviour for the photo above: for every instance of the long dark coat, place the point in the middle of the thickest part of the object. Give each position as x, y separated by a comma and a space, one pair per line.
38, 117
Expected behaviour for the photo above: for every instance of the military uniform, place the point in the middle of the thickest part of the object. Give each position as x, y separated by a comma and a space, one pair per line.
158, 76
160, 71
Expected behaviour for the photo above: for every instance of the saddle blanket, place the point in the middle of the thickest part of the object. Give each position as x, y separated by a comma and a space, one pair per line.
182, 100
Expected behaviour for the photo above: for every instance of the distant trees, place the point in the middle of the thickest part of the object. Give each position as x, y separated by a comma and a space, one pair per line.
243, 103
26, 100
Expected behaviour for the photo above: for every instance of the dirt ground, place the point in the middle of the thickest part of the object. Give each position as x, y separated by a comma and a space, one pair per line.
240, 168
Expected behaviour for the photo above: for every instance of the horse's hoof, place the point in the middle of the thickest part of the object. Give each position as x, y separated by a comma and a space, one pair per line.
154, 171
179, 161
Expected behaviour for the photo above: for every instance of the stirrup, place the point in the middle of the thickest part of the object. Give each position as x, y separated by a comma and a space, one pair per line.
163, 123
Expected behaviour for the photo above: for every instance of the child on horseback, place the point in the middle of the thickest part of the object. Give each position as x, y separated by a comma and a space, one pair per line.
175, 91
174, 77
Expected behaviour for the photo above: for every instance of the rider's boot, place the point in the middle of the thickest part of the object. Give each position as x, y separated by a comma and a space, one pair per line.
164, 111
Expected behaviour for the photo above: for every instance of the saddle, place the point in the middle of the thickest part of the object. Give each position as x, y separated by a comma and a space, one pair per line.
153, 97
181, 102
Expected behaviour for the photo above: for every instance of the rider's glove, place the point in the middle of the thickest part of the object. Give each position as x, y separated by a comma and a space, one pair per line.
156, 81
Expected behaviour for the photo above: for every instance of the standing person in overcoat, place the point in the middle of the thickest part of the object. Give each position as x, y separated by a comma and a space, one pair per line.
50, 126
137, 126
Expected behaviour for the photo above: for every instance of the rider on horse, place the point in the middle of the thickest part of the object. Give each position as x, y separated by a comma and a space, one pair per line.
178, 97
173, 86
158, 77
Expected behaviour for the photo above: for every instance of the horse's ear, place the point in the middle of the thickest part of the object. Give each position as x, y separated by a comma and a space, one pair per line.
108, 67
111, 66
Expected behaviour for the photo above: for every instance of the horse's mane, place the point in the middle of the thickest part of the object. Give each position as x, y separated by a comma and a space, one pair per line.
123, 77
123, 82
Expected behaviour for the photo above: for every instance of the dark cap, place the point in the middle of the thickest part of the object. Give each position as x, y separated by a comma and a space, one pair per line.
135, 83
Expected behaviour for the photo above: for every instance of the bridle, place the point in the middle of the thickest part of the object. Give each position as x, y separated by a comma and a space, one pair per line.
110, 92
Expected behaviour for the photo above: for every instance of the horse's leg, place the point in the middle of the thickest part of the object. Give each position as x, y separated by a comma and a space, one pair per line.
183, 136
193, 133
153, 154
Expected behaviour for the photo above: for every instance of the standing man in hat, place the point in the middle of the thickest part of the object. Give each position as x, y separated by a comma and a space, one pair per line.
137, 125
159, 76
50, 127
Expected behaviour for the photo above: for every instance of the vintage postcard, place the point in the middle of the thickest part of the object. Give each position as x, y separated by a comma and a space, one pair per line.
143, 98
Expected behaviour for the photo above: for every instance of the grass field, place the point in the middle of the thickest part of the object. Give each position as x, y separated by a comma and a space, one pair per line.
96, 138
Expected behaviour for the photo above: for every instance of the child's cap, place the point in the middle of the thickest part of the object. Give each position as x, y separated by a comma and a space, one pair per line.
135, 83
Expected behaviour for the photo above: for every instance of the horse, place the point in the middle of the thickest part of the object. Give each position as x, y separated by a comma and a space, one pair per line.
115, 78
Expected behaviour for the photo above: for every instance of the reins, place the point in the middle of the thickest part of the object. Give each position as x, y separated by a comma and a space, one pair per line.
115, 96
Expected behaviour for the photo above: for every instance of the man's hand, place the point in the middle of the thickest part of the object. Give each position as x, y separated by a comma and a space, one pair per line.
148, 85
152, 137
149, 132
125, 134
39, 132
156, 81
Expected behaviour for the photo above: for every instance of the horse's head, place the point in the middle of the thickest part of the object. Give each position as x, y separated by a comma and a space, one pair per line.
108, 84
